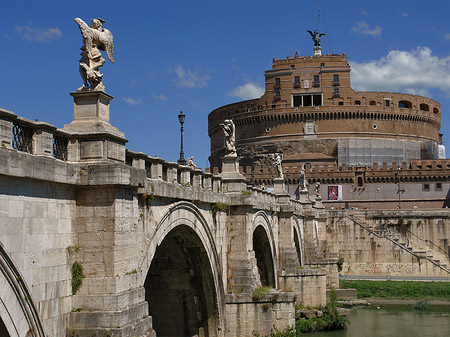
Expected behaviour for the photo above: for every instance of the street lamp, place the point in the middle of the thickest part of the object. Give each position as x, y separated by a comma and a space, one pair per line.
181, 118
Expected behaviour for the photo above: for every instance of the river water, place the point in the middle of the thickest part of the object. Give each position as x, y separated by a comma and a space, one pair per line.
395, 321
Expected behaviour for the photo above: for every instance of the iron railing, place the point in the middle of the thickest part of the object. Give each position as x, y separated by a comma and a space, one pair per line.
22, 138
60, 147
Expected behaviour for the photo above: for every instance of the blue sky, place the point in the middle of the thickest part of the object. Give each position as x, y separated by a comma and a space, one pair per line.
198, 55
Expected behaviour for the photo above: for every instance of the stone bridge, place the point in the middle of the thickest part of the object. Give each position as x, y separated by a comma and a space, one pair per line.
97, 240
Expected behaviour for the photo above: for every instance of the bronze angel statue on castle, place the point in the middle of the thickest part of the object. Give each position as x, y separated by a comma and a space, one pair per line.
95, 38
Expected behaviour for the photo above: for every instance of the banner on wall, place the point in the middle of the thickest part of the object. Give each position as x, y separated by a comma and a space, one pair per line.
335, 192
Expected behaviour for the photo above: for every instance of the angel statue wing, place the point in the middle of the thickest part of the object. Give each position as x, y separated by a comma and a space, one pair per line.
107, 44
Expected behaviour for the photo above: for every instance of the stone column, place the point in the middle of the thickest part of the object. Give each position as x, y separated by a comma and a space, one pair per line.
6, 124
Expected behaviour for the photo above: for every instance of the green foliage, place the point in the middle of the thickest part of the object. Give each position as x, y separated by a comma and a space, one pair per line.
340, 263
399, 289
422, 305
246, 192
218, 206
401, 221
77, 276
150, 199
259, 292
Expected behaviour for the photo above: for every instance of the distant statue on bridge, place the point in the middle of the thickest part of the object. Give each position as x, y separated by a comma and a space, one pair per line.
316, 37
230, 137
191, 163
95, 38
317, 190
303, 183
277, 159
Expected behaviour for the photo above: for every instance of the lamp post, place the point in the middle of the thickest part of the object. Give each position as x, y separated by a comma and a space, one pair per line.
181, 118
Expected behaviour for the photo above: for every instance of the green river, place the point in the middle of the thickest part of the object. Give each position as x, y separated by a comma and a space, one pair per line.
395, 321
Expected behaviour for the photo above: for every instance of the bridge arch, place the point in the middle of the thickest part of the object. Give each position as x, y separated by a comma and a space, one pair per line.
299, 239
18, 314
183, 285
262, 238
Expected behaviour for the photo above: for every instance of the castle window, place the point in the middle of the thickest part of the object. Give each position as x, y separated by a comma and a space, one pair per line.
316, 78
297, 79
436, 110
336, 91
360, 182
322, 64
277, 81
317, 100
307, 100
387, 102
335, 78
424, 107
405, 104
373, 103
438, 187
341, 103
426, 187
357, 102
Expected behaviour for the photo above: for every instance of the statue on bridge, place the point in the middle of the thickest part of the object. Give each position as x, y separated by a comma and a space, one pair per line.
303, 183
95, 38
277, 159
317, 190
230, 137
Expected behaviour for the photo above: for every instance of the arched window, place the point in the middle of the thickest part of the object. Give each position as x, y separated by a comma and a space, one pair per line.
373, 103
424, 107
405, 104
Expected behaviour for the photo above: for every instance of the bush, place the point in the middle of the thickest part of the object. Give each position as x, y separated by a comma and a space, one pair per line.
422, 305
77, 276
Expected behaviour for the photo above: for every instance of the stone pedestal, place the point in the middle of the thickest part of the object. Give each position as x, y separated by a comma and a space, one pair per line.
94, 138
232, 180
304, 197
279, 188
317, 51
318, 203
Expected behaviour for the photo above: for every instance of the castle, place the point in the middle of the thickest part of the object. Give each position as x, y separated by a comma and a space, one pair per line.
361, 146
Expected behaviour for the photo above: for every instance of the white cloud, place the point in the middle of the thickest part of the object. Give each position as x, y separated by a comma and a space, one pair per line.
413, 71
363, 12
131, 101
160, 96
247, 91
447, 36
363, 29
190, 79
37, 34
404, 14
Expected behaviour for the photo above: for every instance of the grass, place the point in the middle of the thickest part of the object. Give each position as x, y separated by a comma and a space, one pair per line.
77, 277
399, 289
259, 292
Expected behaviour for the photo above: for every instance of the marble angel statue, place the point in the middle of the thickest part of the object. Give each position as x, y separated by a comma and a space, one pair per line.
95, 38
